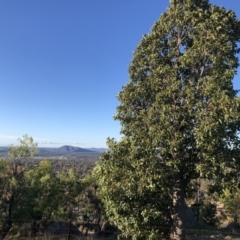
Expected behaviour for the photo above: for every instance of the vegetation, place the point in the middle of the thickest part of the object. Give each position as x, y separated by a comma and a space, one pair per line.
231, 202
33, 193
208, 213
180, 121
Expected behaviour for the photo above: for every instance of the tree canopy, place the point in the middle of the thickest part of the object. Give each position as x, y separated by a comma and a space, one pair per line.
180, 120
36, 193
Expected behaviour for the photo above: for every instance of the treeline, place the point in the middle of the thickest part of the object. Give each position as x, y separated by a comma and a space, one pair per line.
81, 164
38, 193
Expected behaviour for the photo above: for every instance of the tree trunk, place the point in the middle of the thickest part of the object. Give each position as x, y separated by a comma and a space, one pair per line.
182, 217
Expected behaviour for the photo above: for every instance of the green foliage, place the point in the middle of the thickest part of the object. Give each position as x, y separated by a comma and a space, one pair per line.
26, 148
134, 199
12, 180
89, 201
48, 195
37, 193
180, 120
231, 202
208, 213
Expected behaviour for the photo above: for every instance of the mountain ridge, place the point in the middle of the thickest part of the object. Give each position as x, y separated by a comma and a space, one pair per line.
63, 150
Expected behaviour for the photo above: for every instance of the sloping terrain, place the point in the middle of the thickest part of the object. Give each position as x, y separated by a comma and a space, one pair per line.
64, 150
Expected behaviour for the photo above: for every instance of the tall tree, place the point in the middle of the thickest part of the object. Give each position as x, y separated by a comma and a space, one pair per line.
180, 117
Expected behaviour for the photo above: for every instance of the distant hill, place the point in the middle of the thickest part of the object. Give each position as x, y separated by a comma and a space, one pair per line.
100, 150
71, 149
64, 150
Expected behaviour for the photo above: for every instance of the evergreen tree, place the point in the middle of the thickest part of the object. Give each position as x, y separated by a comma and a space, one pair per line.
180, 117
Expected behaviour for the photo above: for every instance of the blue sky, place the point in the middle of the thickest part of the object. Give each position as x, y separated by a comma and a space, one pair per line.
62, 63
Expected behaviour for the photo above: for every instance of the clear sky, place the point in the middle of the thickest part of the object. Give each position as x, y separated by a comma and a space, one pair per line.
62, 63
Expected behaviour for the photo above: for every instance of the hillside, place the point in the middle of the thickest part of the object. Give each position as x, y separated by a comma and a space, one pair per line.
64, 150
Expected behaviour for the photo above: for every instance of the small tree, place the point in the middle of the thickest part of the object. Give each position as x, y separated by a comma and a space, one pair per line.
12, 181
179, 117
26, 148
51, 195
36, 193
231, 202
208, 213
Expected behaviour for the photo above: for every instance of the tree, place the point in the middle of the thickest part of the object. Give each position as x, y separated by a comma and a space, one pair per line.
49, 196
91, 206
36, 193
12, 188
208, 213
231, 202
26, 148
179, 116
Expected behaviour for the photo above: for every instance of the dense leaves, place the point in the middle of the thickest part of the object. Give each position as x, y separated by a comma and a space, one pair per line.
231, 202
208, 213
134, 199
35, 194
180, 120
